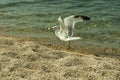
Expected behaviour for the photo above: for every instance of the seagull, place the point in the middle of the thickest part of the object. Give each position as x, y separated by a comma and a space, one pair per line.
65, 31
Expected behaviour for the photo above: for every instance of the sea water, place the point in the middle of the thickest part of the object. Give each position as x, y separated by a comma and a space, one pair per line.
31, 18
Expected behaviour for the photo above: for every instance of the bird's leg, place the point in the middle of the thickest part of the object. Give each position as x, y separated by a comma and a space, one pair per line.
69, 45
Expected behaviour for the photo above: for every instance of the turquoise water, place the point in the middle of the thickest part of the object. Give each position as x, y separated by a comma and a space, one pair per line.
31, 18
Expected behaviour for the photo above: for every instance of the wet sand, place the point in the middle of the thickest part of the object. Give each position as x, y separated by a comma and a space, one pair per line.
22, 59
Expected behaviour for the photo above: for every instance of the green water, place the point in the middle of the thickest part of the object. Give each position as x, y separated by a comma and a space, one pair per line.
31, 18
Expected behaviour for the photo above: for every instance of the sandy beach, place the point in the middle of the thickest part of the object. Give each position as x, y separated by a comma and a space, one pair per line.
29, 60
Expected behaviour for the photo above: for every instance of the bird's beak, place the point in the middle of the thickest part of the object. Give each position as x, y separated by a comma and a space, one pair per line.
52, 28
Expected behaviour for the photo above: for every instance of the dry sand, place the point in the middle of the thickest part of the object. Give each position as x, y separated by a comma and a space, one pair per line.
28, 60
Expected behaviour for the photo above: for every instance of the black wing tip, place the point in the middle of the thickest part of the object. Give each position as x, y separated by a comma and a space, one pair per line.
85, 18
76, 16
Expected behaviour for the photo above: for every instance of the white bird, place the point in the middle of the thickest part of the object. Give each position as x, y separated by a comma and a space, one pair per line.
64, 32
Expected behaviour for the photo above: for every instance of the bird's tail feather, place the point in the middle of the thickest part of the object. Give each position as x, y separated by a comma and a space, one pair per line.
72, 38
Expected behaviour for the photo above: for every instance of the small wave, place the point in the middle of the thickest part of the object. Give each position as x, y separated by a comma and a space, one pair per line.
16, 4
5, 16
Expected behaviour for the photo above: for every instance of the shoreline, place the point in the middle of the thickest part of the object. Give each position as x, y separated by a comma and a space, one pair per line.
97, 51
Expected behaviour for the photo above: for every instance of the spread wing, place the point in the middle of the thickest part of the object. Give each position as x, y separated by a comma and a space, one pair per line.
64, 28
62, 25
68, 21
71, 20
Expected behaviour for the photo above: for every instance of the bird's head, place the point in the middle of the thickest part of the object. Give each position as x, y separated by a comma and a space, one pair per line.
54, 28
